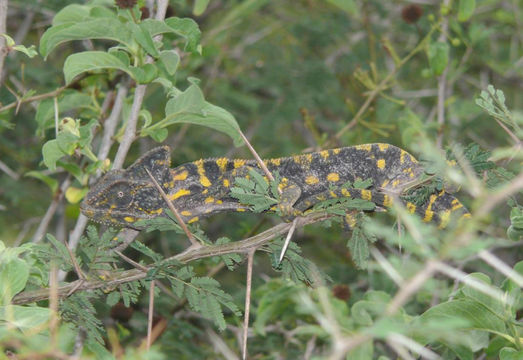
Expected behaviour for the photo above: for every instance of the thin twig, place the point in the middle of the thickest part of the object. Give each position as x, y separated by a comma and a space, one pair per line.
258, 158
173, 209
150, 317
442, 81
287, 240
12, 174
46, 219
250, 258
21, 100
191, 254
3, 42
501, 266
382, 85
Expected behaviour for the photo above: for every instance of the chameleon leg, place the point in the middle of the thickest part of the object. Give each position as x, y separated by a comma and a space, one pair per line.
290, 194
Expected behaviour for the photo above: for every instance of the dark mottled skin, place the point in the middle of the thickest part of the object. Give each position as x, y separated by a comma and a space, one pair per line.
201, 188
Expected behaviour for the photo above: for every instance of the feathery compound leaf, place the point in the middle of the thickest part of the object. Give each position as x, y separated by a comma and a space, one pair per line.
205, 296
254, 193
358, 244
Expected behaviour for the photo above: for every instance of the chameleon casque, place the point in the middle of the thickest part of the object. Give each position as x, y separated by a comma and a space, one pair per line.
202, 188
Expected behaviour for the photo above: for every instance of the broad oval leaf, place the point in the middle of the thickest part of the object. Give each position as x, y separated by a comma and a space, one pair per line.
101, 28
466, 9
78, 63
191, 107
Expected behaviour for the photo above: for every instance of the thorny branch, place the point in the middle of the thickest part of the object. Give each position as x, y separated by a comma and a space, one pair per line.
188, 255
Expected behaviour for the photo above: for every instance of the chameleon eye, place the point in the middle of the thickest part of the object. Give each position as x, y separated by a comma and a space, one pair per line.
120, 194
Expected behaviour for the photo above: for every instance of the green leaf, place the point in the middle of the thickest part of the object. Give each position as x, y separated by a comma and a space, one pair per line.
69, 100
187, 28
52, 183
471, 312
28, 51
438, 53
74, 194
144, 38
349, 6
510, 354
13, 278
105, 28
466, 9
51, 152
25, 318
199, 7
81, 62
170, 60
191, 107
71, 14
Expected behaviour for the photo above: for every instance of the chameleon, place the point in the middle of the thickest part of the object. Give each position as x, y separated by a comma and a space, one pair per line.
202, 188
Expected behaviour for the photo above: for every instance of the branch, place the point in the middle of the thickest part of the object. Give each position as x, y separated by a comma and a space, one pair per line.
243, 246
3, 17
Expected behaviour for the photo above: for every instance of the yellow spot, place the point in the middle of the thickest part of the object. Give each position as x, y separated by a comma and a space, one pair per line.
324, 154
168, 185
366, 195
428, 215
179, 193
283, 183
186, 213
194, 219
113, 206
219, 202
129, 219
383, 147
395, 183
387, 200
333, 177
333, 194
411, 174
428, 212
321, 198
311, 180
402, 156
364, 147
456, 204
466, 216
411, 207
385, 183
205, 191
181, 176
238, 163
210, 199
444, 219
451, 162
345, 192
201, 171
275, 162
222, 164
336, 151
157, 211
381, 163
226, 182
240, 210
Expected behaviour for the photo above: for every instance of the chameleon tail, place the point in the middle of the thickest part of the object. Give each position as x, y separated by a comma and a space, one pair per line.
441, 208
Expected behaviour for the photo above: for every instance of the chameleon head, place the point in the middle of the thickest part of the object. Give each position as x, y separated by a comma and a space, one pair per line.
122, 202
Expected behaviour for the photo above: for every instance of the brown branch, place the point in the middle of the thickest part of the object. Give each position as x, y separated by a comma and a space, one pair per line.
192, 253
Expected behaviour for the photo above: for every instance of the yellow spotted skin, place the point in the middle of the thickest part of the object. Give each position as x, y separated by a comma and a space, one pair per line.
202, 188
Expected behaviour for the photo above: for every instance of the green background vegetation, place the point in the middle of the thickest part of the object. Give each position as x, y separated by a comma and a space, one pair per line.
292, 75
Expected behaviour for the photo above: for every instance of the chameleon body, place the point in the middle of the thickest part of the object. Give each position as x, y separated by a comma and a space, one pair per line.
202, 188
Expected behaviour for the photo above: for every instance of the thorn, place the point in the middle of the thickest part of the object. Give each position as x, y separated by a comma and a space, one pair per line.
288, 239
